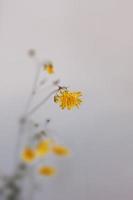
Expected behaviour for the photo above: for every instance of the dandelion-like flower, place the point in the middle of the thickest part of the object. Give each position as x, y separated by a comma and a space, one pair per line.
47, 171
43, 148
68, 99
49, 68
28, 155
61, 150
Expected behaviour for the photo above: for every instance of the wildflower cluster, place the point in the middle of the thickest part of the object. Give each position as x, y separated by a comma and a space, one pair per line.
66, 100
38, 145
41, 150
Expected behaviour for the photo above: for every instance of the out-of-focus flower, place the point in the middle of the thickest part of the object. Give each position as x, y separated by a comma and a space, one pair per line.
49, 68
28, 155
47, 171
61, 150
68, 99
43, 147
31, 52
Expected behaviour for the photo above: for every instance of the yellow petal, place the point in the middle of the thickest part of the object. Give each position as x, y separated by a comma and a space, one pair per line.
47, 171
28, 155
43, 147
61, 150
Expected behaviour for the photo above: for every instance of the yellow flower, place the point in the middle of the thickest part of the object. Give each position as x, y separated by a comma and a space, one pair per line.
67, 99
28, 155
61, 150
47, 171
43, 147
49, 68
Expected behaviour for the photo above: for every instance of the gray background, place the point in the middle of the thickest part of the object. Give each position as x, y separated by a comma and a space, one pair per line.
91, 44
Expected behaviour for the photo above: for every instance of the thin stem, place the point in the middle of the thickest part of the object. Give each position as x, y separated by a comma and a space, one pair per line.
22, 121
32, 185
18, 144
41, 103
33, 87
41, 89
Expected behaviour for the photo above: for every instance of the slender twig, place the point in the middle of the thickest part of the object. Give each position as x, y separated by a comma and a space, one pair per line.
32, 184
33, 87
42, 89
22, 121
41, 103
18, 143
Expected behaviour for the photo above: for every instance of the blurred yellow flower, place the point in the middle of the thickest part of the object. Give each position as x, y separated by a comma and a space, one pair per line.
67, 99
49, 68
47, 171
28, 155
61, 150
43, 147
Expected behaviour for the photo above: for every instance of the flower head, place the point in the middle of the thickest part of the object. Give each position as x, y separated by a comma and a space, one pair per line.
43, 147
68, 99
61, 150
28, 155
49, 68
47, 171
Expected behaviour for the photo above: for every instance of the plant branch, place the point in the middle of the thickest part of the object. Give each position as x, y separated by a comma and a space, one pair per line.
41, 103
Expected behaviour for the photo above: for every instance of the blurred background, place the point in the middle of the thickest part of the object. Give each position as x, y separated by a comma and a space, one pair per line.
91, 46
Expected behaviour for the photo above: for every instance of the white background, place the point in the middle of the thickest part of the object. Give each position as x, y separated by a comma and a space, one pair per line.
91, 45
